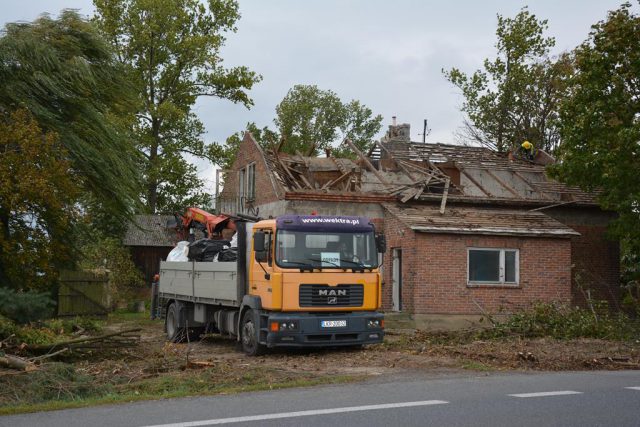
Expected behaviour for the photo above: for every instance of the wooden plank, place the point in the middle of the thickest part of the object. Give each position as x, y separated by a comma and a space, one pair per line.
503, 184
526, 181
408, 196
286, 169
366, 161
444, 196
335, 181
419, 193
476, 183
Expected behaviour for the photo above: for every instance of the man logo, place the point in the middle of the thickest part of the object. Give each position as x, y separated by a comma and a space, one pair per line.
332, 292
332, 300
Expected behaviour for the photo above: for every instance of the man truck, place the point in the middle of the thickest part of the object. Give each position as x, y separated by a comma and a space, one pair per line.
299, 281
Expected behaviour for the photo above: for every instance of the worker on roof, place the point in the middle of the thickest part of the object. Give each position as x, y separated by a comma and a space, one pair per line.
528, 151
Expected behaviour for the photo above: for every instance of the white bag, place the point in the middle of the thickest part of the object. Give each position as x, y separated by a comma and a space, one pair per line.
180, 252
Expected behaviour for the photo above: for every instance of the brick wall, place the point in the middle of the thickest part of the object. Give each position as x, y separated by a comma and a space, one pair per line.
249, 152
595, 257
434, 267
596, 263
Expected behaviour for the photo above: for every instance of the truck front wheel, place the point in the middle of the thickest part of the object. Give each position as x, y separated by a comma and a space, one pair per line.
250, 344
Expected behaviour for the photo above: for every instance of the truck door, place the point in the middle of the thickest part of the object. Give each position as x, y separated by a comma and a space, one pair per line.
262, 277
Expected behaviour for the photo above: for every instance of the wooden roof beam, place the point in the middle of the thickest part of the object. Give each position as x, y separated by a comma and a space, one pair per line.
366, 161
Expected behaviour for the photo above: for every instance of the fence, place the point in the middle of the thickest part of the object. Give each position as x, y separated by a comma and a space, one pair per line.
83, 293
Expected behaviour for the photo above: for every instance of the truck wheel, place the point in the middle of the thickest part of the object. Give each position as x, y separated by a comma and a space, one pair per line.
174, 333
250, 344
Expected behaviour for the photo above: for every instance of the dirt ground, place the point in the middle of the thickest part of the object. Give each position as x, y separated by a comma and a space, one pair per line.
403, 350
154, 368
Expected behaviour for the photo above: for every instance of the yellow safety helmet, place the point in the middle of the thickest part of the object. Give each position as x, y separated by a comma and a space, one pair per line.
527, 145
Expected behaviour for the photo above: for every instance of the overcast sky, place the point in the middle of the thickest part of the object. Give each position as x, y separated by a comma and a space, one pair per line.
389, 55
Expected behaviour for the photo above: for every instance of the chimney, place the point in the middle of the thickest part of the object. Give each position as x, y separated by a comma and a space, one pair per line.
398, 132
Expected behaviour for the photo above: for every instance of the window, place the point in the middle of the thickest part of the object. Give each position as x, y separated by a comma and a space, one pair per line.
312, 249
241, 190
246, 186
493, 266
251, 181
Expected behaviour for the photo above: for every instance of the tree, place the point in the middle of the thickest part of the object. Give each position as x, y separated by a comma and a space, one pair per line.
600, 127
515, 98
64, 74
310, 119
38, 191
172, 51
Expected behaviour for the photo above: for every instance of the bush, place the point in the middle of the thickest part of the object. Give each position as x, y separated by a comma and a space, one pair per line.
56, 381
563, 322
25, 307
106, 253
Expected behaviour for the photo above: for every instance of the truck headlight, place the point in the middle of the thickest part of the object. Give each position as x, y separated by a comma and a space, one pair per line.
375, 323
288, 325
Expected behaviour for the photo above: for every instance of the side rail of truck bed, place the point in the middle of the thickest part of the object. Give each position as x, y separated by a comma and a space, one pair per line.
200, 282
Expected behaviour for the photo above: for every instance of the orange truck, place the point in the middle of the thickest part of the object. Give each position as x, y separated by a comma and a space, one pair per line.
299, 281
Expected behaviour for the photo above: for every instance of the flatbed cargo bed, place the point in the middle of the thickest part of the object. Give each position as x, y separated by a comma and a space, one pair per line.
201, 282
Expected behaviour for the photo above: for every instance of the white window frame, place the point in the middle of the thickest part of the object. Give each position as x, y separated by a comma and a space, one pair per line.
242, 188
250, 178
501, 268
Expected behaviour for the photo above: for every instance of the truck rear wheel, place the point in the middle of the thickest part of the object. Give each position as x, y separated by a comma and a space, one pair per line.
174, 332
250, 344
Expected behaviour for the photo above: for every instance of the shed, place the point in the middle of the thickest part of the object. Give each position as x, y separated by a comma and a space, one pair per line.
150, 241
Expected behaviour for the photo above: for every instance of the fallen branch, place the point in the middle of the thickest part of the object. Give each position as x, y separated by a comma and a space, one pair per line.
110, 340
14, 362
47, 356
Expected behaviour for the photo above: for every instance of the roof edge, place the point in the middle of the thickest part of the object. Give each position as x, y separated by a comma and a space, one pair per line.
567, 233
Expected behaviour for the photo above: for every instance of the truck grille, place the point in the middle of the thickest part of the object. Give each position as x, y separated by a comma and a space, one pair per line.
331, 296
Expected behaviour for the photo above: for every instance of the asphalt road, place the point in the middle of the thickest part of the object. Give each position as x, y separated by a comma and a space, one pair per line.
536, 399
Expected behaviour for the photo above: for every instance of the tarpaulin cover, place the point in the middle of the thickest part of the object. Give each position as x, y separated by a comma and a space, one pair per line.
205, 249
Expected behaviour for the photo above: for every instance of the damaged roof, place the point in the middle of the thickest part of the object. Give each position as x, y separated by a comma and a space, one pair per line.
408, 171
478, 220
150, 230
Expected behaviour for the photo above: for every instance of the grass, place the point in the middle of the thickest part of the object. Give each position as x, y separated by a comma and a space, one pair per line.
476, 366
62, 387
120, 316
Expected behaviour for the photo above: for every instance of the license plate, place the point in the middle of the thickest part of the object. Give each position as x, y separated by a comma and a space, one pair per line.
333, 324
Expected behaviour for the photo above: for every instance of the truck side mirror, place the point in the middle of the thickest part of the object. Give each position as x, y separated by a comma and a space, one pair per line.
381, 243
258, 241
259, 246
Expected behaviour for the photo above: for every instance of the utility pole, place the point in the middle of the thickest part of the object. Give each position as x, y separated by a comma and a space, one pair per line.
425, 132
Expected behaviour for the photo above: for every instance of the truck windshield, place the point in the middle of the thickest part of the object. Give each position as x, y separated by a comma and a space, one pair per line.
299, 249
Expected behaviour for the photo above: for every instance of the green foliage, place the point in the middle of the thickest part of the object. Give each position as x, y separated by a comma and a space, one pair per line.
515, 98
37, 194
67, 326
562, 322
46, 331
600, 127
108, 254
630, 277
172, 52
56, 381
310, 119
24, 307
64, 74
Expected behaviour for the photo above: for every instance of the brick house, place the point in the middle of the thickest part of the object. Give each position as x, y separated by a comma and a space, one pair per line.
469, 231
